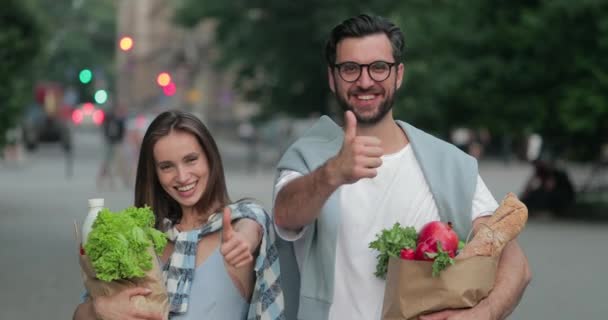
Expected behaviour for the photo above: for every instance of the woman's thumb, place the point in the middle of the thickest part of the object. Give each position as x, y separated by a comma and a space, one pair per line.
227, 230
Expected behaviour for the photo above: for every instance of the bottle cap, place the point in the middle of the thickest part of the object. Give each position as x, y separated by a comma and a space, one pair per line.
97, 202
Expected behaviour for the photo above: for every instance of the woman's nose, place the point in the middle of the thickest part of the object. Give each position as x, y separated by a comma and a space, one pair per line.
182, 174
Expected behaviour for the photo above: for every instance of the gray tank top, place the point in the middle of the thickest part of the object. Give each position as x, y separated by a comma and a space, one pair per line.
213, 295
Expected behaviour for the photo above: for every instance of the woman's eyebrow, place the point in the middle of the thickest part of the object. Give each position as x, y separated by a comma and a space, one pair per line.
158, 163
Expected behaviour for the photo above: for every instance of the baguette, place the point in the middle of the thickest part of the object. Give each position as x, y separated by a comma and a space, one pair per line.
503, 226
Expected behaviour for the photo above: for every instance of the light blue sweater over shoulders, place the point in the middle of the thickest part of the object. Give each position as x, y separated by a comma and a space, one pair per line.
450, 173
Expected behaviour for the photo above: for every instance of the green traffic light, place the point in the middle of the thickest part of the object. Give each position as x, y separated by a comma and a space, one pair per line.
101, 96
85, 76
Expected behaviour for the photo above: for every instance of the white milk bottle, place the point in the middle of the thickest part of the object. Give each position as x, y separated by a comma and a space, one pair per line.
95, 205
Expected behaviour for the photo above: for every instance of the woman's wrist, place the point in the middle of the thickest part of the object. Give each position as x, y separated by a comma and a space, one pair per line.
252, 231
95, 307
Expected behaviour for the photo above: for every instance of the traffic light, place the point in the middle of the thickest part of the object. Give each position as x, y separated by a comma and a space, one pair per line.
163, 79
169, 89
85, 76
101, 96
126, 43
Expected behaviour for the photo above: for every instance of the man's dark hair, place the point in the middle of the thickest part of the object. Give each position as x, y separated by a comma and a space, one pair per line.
361, 26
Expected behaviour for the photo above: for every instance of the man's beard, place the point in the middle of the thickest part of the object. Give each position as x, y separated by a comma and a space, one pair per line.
384, 107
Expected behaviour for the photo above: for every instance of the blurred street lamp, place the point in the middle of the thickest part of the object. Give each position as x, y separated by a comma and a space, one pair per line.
126, 43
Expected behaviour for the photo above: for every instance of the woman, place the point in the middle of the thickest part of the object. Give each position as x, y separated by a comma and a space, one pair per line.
180, 175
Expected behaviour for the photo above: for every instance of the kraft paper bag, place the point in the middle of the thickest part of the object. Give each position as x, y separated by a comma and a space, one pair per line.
156, 301
411, 290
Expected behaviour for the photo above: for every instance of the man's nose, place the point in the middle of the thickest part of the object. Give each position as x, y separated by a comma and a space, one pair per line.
365, 81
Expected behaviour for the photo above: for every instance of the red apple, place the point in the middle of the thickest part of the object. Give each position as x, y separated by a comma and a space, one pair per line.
428, 246
439, 231
407, 254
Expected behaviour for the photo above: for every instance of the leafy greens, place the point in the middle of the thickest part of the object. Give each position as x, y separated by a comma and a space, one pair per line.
119, 243
389, 243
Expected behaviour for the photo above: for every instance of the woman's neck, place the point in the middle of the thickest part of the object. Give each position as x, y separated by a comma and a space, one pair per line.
191, 219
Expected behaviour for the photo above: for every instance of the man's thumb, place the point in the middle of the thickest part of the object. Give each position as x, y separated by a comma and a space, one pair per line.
350, 125
227, 224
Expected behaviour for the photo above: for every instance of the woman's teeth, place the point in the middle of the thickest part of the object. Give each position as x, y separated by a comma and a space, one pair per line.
186, 188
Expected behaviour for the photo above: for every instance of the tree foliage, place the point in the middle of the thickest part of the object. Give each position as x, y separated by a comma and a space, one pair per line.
78, 35
43, 40
511, 66
19, 45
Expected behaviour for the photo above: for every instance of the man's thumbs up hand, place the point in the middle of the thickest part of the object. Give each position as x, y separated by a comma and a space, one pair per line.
359, 156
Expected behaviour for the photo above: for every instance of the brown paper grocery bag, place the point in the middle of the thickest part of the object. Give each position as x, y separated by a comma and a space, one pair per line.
411, 290
157, 301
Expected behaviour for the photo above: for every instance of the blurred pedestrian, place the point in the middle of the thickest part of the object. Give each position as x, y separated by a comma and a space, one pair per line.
67, 145
113, 162
548, 189
248, 135
13, 150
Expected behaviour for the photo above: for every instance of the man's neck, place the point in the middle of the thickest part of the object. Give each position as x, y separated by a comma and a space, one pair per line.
388, 131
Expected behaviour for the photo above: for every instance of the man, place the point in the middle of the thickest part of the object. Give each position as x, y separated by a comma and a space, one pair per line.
114, 132
338, 187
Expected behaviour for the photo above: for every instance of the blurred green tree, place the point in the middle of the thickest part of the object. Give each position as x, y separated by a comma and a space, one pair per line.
513, 67
277, 46
19, 45
78, 35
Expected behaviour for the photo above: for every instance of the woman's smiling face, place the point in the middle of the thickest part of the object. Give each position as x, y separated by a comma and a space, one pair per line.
182, 167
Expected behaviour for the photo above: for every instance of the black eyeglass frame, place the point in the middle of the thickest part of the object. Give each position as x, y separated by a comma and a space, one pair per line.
338, 66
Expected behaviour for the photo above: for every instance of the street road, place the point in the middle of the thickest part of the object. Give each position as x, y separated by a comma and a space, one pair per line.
40, 276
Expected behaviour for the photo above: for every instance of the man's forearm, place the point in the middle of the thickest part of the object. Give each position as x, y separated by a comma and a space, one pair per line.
299, 202
512, 278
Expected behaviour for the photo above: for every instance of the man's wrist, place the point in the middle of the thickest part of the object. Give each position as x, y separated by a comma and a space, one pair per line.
330, 174
491, 308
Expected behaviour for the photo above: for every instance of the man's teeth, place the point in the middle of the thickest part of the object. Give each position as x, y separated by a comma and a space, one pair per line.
186, 188
367, 97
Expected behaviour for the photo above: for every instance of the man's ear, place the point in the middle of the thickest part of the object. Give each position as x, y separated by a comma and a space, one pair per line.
331, 80
400, 72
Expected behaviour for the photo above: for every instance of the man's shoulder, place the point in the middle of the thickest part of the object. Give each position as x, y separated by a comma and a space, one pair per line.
322, 130
426, 137
314, 147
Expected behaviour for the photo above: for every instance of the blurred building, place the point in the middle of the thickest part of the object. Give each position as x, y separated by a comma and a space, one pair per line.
186, 55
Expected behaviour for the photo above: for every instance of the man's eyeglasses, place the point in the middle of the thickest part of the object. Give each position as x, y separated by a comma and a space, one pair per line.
351, 71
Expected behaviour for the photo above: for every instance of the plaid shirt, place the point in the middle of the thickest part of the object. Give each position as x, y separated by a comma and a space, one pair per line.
267, 299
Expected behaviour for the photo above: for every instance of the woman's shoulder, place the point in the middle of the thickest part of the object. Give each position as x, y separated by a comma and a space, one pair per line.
248, 204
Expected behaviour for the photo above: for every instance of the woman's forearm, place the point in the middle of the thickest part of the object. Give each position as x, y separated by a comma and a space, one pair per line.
85, 311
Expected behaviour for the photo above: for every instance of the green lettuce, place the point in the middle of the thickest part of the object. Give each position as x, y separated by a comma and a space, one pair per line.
118, 243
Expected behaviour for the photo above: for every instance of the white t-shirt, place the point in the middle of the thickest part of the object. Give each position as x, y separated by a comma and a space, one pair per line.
399, 193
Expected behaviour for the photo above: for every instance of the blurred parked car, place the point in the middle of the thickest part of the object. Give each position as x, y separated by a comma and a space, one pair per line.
40, 127
46, 119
